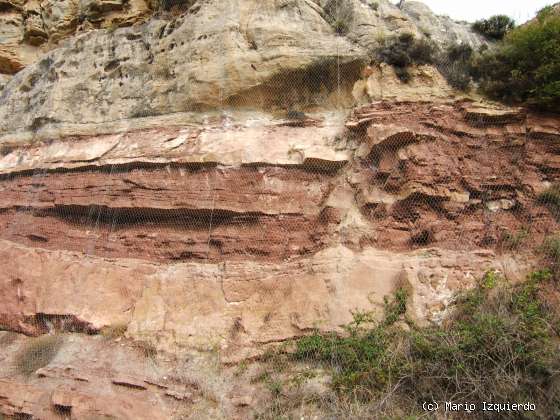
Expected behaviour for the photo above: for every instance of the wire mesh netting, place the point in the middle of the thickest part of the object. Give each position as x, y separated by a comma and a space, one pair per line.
284, 233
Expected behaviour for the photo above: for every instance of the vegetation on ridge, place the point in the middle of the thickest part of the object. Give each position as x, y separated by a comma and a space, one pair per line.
525, 66
522, 67
495, 27
404, 50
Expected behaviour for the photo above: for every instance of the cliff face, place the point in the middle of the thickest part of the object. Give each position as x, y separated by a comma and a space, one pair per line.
155, 179
243, 53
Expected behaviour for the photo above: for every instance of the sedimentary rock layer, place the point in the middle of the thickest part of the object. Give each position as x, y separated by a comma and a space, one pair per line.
456, 175
177, 194
186, 237
251, 53
239, 304
91, 377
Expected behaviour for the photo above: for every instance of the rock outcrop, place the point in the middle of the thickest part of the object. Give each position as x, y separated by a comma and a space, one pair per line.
186, 241
441, 29
245, 54
457, 174
29, 28
181, 193
275, 216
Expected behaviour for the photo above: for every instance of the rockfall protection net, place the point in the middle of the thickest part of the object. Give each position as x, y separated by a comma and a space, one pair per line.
405, 162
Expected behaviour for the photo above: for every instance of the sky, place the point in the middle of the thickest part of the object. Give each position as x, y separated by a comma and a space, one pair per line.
471, 10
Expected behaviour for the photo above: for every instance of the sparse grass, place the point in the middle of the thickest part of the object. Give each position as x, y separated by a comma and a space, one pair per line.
498, 346
37, 353
241, 368
551, 252
200, 382
275, 387
146, 348
551, 199
340, 26
380, 36
114, 331
512, 241
340, 15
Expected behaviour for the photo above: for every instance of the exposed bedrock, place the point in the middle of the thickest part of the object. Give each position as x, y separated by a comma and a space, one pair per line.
182, 189
92, 377
457, 176
252, 53
186, 232
177, 194
235, 304
236, 233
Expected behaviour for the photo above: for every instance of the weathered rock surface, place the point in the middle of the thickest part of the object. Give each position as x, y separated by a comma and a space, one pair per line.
132, 72
246, 53
238, 305
455, 175
4, 79
381, 82
29, 28
194, 182
93, 377
222, 138
287, 221
441, 29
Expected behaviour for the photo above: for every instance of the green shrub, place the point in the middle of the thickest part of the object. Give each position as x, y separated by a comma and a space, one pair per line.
459, 52
403, 51
498, 345
455, 64
458, 78
494, 28
551, 199
525, 67
395, 308
37, 353
364, 357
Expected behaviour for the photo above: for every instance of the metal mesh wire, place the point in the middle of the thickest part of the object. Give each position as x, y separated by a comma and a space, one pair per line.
447, 178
